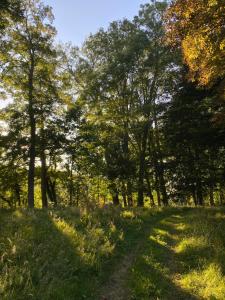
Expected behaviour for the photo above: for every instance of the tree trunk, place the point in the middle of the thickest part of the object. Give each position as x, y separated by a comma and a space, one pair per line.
159, 164
194, 196
124, 199
32, 153
150, 191
199, 193
163, 186
43, 180
115, 197
129, 194
221, 196
158, 195
17, 193
71, 185
51, 191
211, 198
142, 166
124, 194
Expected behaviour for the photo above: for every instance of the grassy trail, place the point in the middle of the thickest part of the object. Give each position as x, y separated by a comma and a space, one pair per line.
157, 269
158, 243
179, 257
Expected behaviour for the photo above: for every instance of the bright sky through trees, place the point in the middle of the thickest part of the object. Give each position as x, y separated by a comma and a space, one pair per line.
75, 19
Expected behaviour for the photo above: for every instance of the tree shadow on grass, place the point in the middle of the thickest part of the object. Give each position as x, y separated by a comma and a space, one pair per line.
155, 271
44, 259
50, 256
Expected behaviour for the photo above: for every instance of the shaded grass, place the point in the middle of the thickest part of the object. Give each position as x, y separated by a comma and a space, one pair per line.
63, 254
184, 258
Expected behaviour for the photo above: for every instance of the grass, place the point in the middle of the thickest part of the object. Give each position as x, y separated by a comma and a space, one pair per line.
71, 254
183, 258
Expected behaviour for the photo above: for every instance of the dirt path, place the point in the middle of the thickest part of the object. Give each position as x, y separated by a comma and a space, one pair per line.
116, 288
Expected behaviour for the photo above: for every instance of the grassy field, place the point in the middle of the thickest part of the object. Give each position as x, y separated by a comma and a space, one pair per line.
174, 253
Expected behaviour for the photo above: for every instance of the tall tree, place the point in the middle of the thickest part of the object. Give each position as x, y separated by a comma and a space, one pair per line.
29, 42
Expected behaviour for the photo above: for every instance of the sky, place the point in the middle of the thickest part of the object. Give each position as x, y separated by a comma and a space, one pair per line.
76, 19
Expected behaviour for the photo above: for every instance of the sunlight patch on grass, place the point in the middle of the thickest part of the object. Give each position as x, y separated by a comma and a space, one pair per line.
208, 283
220, 215
190, 243
163, 233
127, 214
158, 239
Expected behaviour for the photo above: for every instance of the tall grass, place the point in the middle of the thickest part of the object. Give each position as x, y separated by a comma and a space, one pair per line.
62, 254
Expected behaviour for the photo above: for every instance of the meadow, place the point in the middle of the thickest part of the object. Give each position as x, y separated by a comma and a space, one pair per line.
112, 253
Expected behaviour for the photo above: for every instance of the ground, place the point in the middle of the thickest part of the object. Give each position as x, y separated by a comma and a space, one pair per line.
174, 253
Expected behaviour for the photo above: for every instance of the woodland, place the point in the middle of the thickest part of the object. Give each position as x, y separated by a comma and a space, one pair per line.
112, 155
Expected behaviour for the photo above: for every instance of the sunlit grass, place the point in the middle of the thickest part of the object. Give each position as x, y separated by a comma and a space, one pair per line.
184, 258
208, 283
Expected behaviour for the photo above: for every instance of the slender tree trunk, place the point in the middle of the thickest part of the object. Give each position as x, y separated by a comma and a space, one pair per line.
194, 196
142, 166
152, 151
124, 199
211, 197
127, 156
32, 152
129, 194
17, 193
53, 189
43, 180
71, 185
78, 195
115, 194
163, 187
51, 192
221, 195
115, 197
150, 191
199, 192
43, 168
160, 166
158, 195
124, 194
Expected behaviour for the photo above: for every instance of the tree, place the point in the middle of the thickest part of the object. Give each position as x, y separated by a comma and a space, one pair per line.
10, 11
198, 27
194, 145
29, 44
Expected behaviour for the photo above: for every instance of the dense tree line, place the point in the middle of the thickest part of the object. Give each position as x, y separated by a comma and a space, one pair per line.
136, 115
